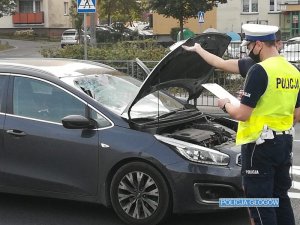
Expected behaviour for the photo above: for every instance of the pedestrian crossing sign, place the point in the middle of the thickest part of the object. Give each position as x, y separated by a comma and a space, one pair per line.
201, 17
86, 6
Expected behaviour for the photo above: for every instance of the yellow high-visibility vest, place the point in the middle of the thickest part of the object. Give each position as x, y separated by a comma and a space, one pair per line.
276, 106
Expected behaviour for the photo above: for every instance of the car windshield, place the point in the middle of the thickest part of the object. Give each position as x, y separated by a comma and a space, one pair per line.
116, 92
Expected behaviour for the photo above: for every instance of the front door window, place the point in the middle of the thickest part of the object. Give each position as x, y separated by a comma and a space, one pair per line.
40, 100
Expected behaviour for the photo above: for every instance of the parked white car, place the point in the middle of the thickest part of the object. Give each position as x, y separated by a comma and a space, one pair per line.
292, 52
143, 29
71, 37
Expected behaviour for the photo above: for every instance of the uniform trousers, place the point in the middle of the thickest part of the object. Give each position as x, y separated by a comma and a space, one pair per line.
265, 173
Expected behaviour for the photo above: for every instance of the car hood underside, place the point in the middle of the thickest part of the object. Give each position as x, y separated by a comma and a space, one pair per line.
183, 69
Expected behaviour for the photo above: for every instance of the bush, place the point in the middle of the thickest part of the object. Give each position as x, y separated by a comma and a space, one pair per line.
106, 36
27, 34
129, 50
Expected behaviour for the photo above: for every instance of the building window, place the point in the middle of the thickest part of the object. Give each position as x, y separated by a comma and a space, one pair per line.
275, 5
26, 6
295, 23
37, 6
250, 6
29, 6
66, 8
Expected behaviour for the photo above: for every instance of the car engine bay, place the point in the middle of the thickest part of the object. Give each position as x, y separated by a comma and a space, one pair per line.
201, 129
207, 134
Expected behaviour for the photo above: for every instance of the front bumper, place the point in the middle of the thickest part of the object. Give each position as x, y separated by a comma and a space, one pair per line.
197, 187
69, 42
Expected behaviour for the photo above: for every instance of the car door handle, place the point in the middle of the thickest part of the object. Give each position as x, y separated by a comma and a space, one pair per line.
16, 133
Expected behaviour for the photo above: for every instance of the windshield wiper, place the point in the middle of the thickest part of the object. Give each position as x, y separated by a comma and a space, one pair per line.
166, 114
176, 111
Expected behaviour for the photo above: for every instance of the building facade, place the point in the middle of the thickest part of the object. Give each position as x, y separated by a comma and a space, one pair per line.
289, 18
231, 16
51, 17
45, 17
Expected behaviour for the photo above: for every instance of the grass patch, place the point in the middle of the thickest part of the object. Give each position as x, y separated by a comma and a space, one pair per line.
4, 46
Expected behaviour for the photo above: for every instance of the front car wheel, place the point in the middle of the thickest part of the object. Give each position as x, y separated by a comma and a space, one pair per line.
139, 194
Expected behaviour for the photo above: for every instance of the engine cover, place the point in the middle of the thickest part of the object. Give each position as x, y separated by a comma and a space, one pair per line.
207, 134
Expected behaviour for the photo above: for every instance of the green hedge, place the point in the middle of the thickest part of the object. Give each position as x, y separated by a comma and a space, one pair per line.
129, 50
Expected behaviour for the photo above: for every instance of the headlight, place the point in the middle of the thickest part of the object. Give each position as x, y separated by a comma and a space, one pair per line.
196, 153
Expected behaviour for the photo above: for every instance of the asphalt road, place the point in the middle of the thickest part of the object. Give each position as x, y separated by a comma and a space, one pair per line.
24, 210
24, 49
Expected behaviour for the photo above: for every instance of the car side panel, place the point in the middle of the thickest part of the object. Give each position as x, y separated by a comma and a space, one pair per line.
49, 157
39, 155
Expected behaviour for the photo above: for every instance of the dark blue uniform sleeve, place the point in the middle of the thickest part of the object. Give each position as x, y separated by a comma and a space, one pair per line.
255, 85
298, 101
244, 65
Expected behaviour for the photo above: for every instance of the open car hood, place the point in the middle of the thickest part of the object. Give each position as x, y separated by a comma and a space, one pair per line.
184, 69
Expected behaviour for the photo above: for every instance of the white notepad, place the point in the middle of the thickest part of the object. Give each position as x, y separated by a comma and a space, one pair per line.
221, 93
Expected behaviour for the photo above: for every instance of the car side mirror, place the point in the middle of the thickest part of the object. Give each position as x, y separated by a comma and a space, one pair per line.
78, 122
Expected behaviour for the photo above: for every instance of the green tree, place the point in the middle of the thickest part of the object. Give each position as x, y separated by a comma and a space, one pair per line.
107, 8
182, 10
128, 10
120, 10
77, 18
7, 7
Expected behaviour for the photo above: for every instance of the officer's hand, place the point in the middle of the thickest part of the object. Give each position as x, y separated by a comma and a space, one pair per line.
222, 102
240, 93
192, 48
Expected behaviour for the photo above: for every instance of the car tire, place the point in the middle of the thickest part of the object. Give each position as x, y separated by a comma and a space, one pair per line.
139, 194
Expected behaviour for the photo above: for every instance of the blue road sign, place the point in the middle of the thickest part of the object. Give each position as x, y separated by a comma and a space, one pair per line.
86, 6
201, 17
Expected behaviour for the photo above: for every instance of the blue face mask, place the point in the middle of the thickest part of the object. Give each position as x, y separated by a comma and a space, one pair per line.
254, 57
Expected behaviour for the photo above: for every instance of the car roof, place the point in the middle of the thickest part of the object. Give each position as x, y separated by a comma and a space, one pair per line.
70, 30
59, 67
294, 39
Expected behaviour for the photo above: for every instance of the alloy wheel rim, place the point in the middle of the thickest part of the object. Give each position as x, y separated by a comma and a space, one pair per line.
138, 195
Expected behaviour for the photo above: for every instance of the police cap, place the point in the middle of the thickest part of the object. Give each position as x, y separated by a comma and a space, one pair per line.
258, 32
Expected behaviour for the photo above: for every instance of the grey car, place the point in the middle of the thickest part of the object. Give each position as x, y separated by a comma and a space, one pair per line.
84, 131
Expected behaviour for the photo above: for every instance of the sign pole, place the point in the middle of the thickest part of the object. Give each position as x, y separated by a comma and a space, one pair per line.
85, 39
86, 6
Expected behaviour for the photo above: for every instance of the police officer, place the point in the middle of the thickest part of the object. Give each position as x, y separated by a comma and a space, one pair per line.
266, 115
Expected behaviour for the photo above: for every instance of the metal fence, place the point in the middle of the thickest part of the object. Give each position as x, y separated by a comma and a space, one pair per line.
231, 82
